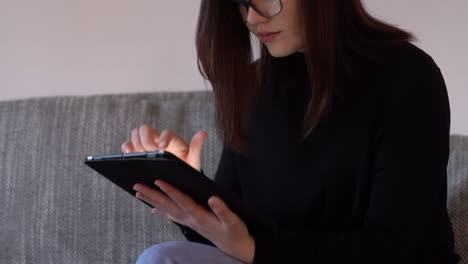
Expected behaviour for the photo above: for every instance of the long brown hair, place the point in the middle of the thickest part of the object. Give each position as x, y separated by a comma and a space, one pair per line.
339, 34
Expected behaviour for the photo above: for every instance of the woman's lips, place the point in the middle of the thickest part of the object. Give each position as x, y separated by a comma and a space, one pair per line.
268, 37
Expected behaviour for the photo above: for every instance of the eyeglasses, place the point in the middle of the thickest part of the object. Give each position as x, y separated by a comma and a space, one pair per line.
265, 8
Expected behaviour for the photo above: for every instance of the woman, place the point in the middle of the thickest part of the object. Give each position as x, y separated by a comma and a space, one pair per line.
338, 135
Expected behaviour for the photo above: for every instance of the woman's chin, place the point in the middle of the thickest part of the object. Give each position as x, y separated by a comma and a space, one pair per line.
280, 52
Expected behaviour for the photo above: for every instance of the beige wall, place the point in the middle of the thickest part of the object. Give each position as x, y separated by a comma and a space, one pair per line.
80, 47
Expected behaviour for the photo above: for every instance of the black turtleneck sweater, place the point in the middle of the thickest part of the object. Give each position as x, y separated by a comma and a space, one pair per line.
368, 186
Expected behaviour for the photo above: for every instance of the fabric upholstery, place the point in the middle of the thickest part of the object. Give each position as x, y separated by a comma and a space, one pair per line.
457, 200
54, 209
57, 210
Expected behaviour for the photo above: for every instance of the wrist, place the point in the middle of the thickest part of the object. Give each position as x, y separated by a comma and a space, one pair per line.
249, 251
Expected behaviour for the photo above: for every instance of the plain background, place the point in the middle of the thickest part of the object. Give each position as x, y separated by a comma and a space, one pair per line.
83, 47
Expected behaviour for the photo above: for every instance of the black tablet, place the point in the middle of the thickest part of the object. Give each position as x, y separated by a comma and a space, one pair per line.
125, 170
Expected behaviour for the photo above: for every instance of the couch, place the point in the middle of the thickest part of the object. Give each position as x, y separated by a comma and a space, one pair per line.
54, 209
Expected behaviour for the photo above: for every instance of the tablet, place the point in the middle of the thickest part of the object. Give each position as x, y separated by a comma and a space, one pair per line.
125, 170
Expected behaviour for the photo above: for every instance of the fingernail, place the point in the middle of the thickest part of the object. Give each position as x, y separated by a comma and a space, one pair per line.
162, 144
214, 203
160, 185
135, 187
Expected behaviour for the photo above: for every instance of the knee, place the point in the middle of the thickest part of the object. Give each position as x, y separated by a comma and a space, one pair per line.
162, 253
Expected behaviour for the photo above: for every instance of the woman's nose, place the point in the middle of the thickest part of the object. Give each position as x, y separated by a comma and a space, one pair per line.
253, 17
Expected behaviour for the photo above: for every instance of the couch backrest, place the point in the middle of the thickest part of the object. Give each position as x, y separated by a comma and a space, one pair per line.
457, 201
57, 210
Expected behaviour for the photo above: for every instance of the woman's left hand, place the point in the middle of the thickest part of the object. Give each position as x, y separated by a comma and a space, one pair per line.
223, 227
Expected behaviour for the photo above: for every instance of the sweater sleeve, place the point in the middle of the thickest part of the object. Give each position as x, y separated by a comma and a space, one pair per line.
407, 183
226, 176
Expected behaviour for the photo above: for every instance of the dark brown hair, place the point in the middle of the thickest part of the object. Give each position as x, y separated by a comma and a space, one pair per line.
339, 34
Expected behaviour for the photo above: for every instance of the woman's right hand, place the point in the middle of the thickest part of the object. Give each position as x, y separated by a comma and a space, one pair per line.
146, 138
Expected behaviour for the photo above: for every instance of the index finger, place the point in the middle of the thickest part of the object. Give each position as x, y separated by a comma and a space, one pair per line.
148, 137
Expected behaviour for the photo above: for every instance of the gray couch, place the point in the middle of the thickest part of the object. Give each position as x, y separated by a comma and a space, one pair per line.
54, 209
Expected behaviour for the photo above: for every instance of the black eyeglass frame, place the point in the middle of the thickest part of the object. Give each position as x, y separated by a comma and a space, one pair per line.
249, 3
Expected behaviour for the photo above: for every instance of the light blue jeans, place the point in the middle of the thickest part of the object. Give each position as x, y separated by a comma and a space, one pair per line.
181, 252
